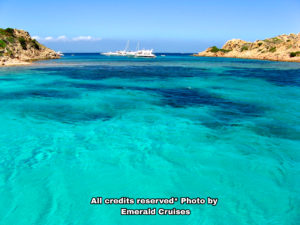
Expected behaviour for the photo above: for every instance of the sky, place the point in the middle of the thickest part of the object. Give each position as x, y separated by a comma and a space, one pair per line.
164, 25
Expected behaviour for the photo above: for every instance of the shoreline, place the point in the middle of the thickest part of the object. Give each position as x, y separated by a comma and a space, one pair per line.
257, 58
14, 62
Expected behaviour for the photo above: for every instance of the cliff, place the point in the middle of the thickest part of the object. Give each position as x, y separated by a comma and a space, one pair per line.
17, 47
281, 48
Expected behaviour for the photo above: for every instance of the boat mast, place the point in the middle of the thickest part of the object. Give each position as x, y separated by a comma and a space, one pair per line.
127, 46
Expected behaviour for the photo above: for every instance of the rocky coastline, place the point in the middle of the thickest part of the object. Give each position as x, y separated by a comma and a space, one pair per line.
18, 48
280, 48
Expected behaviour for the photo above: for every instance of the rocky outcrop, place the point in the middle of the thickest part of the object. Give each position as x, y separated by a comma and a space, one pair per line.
17, 47
281, 48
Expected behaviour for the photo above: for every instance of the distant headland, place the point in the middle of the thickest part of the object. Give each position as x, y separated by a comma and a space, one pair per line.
18, 48
281, 48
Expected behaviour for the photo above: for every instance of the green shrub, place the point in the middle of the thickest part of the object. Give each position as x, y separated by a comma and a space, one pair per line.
8, 52
224, 50
294, 54
35, 44
274, 40
273, 49
7, 32
10, 31
2, 31
10, 39
2, 44
23, 43
215, 49
244, 48
260, 44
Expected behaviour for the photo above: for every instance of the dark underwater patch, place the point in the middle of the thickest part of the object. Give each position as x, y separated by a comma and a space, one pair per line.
8, 79
103, 72
184, 97
63, 113
219, 124
43, 93
94, 87
276, 129
289, 77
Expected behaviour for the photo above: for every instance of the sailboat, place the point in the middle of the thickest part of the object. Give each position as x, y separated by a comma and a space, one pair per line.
144, 53
138, 53
117, 53
130, 53
133, 53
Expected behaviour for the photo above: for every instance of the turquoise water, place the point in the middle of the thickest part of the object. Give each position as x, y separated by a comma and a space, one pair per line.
174, 126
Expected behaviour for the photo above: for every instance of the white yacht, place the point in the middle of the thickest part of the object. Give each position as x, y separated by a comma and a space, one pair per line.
117, 53
60, 53
133, 53
138, 53
145, 54
130, 53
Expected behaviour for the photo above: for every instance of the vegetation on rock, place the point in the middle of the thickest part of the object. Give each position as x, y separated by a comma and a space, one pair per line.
35, 44
216, 49
294, 54
273, 49
244, 48
23, 43
2, 44
17, 46
285, 47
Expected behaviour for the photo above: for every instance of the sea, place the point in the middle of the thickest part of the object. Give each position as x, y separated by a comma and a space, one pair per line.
176, 126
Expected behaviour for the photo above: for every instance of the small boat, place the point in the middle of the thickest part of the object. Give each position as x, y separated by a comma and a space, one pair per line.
163, 55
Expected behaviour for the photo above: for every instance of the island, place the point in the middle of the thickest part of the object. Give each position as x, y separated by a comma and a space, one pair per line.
18, 48
280, 48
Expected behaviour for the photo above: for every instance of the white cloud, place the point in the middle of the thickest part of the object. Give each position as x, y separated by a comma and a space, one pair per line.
82, 38
48, 38
86, 38
62, 37
65, 38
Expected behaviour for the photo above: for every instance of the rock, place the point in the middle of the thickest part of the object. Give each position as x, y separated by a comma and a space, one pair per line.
21, 48
277, 48
233, 44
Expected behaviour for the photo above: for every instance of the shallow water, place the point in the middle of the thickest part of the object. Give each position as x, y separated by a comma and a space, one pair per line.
88, 125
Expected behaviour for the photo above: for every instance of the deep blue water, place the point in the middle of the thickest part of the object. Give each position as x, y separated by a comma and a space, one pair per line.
175, 126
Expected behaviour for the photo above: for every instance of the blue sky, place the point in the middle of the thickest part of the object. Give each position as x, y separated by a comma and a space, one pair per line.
165, 25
